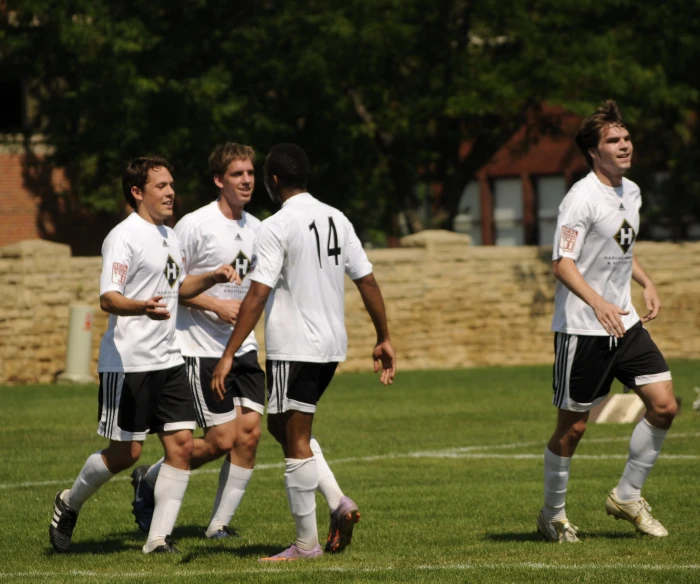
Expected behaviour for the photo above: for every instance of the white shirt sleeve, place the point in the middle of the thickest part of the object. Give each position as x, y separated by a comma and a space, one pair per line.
117, 259
573, 222
357, 265
268, 257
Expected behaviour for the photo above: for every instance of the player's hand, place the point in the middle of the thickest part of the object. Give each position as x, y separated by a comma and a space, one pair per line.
225, 273
222, 369
384, 356
608, 315
653, 302
157, 310
227, 310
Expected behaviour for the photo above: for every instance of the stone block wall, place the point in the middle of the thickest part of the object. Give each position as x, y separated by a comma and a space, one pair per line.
449, 305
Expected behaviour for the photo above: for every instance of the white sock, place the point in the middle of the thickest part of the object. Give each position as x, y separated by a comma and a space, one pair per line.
556, 477
152, 473
327, 485
301, 480
92, 476
169, 491
233, 481
645, 446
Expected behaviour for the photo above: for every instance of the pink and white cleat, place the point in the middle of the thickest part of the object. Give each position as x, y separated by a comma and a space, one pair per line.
294, 553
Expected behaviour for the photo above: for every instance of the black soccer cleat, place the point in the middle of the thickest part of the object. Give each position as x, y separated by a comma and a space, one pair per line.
144, 500
167, 548
62, 524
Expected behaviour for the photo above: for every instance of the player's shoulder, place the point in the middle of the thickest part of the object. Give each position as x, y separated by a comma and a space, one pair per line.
581, 194
251, 221
630, 187
195, 218
124, 229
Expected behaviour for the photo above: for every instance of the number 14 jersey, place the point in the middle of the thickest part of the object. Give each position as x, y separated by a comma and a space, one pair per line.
303, 252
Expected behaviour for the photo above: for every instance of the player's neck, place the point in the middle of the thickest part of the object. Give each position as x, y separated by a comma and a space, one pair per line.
607, 178
231, 212
143, 213
286, 194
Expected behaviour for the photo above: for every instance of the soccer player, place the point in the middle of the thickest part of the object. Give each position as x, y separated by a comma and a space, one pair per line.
598, 334
223, 232
301, 256
143, 384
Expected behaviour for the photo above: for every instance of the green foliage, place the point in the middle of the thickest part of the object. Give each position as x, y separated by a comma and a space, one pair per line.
381, 93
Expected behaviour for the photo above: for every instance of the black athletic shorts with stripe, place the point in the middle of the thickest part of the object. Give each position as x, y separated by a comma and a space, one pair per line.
296, 385
245, 387
585, 366
133, 405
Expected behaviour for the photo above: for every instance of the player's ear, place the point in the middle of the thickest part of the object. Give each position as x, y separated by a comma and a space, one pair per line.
137, 194
218, 182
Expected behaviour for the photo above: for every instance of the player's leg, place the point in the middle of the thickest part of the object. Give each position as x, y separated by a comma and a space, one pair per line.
216, 418
344, 512
117, 405
581, 379
247, 385
174, 421
643, 367
293, 392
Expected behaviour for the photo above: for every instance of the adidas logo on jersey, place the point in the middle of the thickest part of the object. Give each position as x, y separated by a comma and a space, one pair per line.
238, 237
165, 243
621, 207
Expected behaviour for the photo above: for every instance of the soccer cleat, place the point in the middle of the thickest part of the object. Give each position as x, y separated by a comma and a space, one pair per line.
144, 500
638, 513
556, 531
62, 524
293, 553
165, 548
222, 533
343, 521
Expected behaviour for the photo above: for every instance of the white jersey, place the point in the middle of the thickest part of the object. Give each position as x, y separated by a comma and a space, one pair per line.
596, 227
208, 239
303, 253
141, 260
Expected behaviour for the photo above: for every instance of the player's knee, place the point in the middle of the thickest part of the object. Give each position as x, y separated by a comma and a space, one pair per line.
665, 411
576, 432
248, 438
223, 444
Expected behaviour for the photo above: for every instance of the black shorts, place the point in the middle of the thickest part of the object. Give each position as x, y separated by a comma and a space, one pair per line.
133, 405
585, 366
245, 387
296, 385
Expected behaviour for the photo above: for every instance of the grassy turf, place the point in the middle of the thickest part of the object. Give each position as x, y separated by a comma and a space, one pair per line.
445, 465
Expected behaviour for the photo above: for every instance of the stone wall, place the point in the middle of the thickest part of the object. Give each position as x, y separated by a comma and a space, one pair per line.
449, 304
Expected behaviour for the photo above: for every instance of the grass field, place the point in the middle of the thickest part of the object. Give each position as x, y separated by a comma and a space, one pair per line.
445, 465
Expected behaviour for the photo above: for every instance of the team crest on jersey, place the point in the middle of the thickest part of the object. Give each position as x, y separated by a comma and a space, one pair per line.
625, 236
253, 263
242, 264
171, 271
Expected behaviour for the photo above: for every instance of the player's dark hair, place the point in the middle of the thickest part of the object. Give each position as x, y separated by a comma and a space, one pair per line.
290, 164
589, 133
225, 154
136, 174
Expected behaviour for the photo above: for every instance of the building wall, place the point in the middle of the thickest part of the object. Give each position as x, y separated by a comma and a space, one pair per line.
449, 305
18, 207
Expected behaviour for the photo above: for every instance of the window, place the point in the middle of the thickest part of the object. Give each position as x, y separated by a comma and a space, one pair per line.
508, 211
550, 191
11, 106
468, 218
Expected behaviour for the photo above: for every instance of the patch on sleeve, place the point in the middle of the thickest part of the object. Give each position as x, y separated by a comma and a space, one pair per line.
119, 273
567, 240
253, 263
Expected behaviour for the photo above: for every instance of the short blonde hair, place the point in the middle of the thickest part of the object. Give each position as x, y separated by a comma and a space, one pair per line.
224, 154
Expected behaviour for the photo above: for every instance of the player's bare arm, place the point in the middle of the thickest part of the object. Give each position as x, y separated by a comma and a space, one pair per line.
225, 308
116, 303
651, 296
248, 316
383, 353
195, 285
608, 314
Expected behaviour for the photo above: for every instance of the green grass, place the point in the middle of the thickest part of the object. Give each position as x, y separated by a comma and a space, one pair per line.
427, 517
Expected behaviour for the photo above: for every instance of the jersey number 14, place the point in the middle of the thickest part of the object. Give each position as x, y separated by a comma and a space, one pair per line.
333, 251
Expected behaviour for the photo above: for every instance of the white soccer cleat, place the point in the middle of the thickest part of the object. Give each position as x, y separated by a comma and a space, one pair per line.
557, 531
638, 513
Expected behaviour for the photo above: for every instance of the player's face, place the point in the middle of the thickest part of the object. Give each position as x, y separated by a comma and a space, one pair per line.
614, 152
157, 197
237, 183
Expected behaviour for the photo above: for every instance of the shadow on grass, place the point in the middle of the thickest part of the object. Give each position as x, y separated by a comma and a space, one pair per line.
534, 536
112, 545
205, 550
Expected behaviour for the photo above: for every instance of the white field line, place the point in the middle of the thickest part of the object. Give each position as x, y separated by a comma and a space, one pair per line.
187, 574
461, 452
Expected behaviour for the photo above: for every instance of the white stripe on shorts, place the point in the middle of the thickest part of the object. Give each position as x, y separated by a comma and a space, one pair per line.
564, 358
112, 385
205, 417
277, 400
